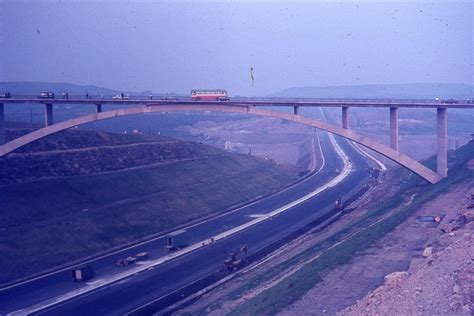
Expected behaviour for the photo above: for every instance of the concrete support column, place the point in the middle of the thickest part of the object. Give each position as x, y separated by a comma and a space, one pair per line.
442, 154
98, 108
345, 117
394, 128
48, 114
2, 125
295, 110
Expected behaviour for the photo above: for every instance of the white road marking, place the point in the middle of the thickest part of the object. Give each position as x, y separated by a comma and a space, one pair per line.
142, 262
365, 153
94, 282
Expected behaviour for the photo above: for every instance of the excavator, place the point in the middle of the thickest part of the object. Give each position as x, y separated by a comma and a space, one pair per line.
236, 259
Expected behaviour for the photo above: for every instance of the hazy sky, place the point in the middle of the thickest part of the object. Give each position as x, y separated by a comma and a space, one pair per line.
176, 46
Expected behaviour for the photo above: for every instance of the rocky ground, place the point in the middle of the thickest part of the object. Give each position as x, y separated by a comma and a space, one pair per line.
440, 279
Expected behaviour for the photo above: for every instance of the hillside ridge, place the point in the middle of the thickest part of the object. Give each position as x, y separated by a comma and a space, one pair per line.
384, 91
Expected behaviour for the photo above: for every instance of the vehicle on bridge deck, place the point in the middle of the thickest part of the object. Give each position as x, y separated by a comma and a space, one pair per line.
448, 101
5, 95
46, 95
121, 97
209, 95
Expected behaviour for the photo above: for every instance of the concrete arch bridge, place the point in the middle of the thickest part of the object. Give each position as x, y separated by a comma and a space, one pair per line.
252, 109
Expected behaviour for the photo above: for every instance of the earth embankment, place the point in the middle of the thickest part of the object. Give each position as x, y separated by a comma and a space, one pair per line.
80, 193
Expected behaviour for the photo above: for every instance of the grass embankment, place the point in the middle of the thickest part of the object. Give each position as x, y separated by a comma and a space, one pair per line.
351, 240
53, 221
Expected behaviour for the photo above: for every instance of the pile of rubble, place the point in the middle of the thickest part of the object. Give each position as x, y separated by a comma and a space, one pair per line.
440, 282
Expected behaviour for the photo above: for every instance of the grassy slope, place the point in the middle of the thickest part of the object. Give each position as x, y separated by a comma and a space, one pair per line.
292, 288
54, 221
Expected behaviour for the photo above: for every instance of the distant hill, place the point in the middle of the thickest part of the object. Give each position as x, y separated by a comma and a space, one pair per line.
387, 91
33, 88
56, 87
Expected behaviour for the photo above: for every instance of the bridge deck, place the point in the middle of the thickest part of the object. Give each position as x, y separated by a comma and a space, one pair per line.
254, 102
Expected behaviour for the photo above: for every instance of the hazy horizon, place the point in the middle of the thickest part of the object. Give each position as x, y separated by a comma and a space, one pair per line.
178, 46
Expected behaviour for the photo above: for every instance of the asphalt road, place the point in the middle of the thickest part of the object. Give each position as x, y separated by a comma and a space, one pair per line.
141, 288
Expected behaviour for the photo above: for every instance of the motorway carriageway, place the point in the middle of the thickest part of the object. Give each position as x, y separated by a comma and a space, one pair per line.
132, 292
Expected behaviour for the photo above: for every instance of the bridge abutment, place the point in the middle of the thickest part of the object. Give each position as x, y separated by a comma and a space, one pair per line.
345, 117
394, 128
442, 153
48, 114
2, 124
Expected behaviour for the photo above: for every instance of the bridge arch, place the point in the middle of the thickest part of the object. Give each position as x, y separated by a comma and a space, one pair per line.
384, 150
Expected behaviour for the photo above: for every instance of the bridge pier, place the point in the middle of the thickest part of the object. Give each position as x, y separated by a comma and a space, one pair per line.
98, 108
48, 114
394, 128
345, 117
295, 110
2, 125
442, 154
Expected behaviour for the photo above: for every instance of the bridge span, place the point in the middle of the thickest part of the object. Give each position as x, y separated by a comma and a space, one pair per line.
247, 106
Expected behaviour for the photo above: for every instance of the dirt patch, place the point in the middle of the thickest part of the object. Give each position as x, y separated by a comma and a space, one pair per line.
277, 140
442, 284
441, 281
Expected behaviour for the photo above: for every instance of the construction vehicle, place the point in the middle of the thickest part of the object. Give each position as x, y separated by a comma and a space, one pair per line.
236, 259
176, 240
125, 262
338, 203
141, 256
82, 274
